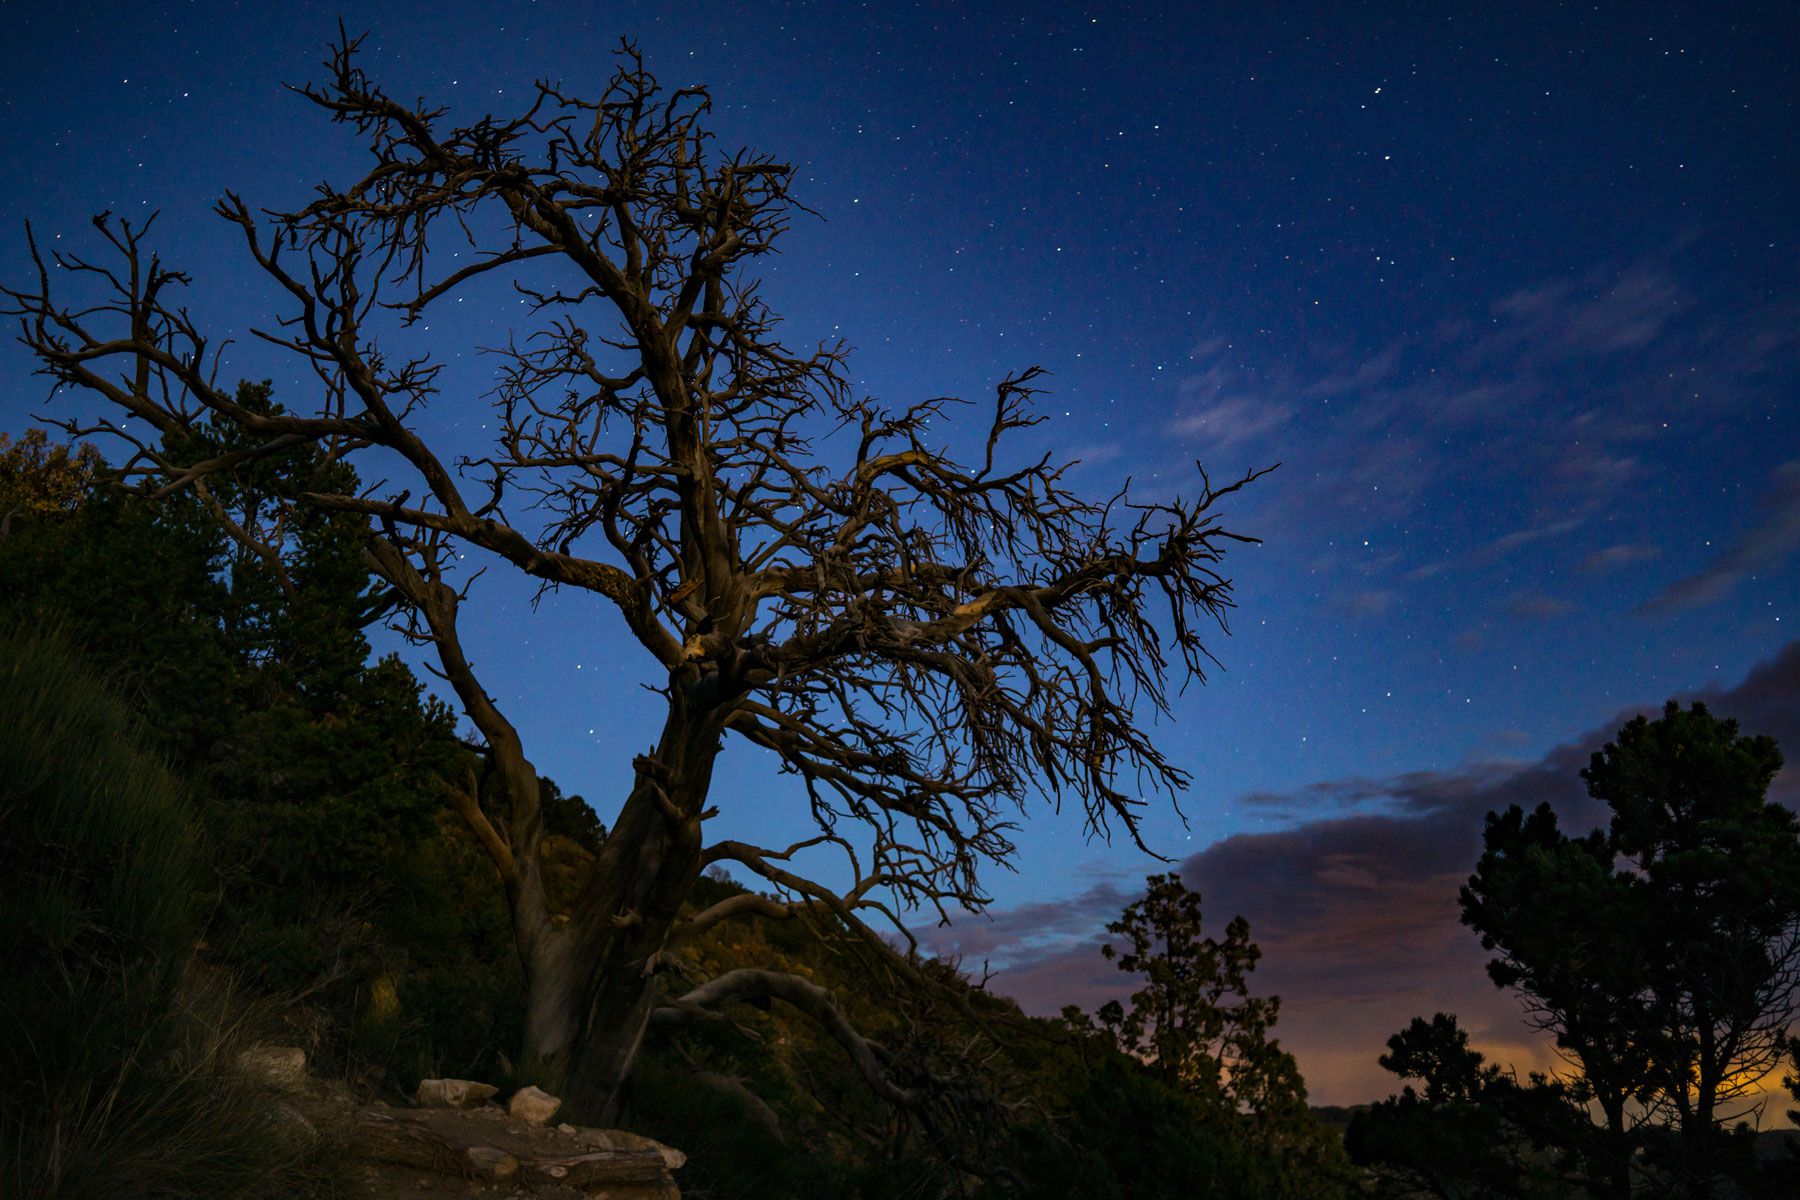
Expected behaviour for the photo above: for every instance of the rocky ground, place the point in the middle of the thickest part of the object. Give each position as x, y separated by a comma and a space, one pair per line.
456, 1140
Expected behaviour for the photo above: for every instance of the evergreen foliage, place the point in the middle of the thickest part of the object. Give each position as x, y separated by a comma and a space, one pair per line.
1472, 1130
1673, 995
317, 774
1240, 1120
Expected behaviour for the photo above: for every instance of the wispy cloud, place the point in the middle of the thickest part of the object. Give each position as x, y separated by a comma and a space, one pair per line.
1533, 606
1370, 602
1765, 546
1231, 421
1617, 558
1594, 314
1534, 417
1498, 548
1519, 538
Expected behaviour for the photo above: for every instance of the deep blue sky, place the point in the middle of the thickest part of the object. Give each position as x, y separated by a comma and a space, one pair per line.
1510, 291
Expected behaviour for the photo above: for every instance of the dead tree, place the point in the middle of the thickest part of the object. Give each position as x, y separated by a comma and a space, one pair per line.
927, 642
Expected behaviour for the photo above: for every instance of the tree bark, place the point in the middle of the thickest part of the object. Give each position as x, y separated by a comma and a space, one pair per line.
593, 985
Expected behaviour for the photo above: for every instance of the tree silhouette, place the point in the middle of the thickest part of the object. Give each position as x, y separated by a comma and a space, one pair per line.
1194, 1019
1581, 980
1664, 951
1437, 1053
1185, 1091
1196, 1025
1473, 1130
924, 641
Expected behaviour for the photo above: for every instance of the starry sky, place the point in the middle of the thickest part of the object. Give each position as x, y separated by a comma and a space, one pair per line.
1510, 293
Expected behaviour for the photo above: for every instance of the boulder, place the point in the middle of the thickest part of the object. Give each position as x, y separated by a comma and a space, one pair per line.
281, 1067
454, 1093
533, 1106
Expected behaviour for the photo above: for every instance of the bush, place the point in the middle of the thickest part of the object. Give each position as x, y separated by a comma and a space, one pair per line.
118, 1082
1128, 1133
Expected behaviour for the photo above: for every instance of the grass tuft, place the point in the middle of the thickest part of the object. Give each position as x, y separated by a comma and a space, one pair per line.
117, 1066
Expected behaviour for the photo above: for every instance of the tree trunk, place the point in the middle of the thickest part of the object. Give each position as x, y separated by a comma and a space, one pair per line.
555, 983
1618, 1149
591, 986
1700, 1137
609, 1047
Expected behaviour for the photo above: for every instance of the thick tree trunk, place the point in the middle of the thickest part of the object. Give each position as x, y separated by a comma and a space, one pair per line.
555, 983
591, 986
608, 1049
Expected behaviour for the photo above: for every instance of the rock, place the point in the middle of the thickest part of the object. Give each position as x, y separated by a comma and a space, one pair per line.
454, 1093
533, 1106
283, 1067
466, 1152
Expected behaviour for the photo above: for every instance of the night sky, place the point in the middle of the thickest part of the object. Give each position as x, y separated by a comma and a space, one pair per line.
1510, 291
